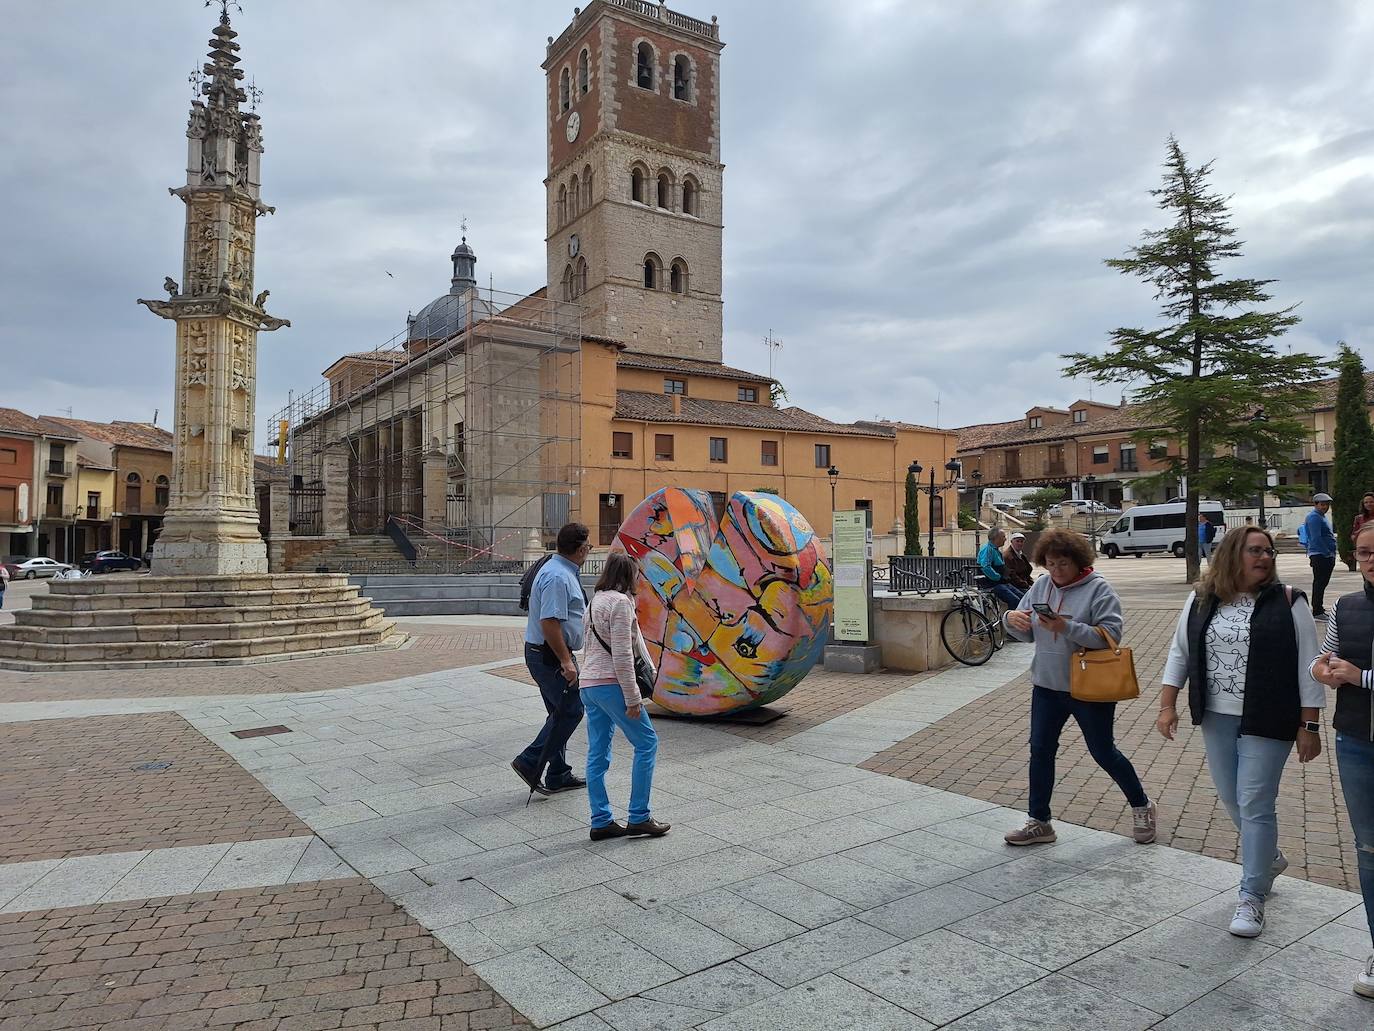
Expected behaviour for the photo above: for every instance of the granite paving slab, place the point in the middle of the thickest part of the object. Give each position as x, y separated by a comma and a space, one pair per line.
752, 926
933, 908
677, 939
1055, 1003
609, 962
794, 960
940, 976
539, 987
723, 988
1044, 931
828, 1003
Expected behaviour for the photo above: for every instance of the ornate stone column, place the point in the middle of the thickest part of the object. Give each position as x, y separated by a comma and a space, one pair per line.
211, 525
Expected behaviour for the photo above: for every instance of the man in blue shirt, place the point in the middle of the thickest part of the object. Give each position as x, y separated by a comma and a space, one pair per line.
994, 567
552, 633
1321, 550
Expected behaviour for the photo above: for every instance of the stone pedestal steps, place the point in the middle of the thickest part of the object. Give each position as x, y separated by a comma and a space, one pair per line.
172, 621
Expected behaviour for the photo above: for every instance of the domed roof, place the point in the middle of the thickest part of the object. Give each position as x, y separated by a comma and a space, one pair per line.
448, 313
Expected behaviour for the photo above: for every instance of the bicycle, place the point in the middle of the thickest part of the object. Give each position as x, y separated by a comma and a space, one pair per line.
971, 631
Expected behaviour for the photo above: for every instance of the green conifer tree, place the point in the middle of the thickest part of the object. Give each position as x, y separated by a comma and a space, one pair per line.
911, 517
1210, 364
1353, 471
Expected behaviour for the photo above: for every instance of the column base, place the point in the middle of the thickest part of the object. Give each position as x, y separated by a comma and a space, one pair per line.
209, 558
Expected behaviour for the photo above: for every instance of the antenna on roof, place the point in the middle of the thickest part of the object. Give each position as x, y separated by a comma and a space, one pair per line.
68, 410
155, 411
774, 346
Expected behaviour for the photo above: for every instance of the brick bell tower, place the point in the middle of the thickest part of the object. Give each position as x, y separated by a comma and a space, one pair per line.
634, 175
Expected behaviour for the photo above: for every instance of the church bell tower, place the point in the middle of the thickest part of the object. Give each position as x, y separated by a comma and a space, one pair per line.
634, 176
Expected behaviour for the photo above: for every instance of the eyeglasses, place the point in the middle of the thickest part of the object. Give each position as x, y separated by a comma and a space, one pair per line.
1363, 555
1255, 551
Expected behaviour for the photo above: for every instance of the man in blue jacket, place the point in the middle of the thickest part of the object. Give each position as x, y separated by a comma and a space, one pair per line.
1321, 550
994, 567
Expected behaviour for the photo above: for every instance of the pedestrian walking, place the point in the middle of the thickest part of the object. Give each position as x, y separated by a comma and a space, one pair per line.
1243, 645
1204, 537
994, 567
1345, 665
553, 631
1365, 514
1066, 611
1320, 541
612, 699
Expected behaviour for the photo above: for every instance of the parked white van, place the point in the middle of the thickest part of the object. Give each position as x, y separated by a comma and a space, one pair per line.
1148, 528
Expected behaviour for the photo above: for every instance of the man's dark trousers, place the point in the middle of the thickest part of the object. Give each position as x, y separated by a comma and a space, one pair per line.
563, 703
1322, 565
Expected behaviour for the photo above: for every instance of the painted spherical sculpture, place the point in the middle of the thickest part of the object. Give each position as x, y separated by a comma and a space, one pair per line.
736, 610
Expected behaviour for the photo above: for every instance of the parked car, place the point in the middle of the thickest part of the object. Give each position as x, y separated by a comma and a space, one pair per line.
33, 568
1006, 508
1083, 506
109, 561
11, 562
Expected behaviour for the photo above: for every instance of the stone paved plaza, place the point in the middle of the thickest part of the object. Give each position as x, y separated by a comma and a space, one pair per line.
352, 849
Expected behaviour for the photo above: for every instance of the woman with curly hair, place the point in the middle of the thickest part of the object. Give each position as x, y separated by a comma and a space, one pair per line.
1081, 604
1243, 646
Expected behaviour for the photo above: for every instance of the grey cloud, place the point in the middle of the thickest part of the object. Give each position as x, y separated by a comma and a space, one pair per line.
918, 200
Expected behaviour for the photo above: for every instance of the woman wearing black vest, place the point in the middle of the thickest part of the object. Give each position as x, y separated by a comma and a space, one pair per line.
1244, 645
1345, 665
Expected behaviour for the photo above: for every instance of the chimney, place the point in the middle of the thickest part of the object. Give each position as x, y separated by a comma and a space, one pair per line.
677, 404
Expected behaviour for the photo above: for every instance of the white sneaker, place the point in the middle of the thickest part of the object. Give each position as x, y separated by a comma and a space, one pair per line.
1144, 818
1364, 983
1280, 865
1249, 919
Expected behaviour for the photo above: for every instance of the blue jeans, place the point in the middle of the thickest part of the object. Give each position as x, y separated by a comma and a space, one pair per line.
1050, 710
606, 711
1204, 548
1246, 770
1010, 596
1355, 761
564, 706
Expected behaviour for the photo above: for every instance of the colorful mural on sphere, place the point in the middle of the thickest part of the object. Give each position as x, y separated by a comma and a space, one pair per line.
735, 612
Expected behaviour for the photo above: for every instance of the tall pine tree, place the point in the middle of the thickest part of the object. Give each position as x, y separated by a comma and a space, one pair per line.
1353, 473
911, 517
1210, 364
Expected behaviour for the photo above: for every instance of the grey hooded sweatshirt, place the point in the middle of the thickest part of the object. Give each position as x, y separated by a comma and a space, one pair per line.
1086, 604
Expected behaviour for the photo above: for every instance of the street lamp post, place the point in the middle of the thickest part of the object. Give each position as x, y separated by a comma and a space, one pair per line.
977, 508
953, 467
1260, 417
834, 475
1088, 482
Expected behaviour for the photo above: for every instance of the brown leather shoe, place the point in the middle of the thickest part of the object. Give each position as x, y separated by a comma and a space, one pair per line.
611, 830
650, 828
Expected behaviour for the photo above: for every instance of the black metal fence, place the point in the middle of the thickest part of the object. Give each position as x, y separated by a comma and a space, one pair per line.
922, 573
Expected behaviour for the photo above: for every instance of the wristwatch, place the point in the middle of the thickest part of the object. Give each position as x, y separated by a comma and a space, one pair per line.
1311, 726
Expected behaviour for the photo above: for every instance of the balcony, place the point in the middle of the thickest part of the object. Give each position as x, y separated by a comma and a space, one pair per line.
94, 513
57, 467
1128, 467
51, 511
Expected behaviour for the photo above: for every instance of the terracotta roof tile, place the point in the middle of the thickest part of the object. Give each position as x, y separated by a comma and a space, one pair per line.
690, 366
15, 421
121, 434
644, 406
1126, 419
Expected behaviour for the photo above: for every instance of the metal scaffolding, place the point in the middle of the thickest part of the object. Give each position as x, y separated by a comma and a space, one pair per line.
465, 440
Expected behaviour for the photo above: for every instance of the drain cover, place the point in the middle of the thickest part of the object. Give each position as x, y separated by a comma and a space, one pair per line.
261, 731
153, 767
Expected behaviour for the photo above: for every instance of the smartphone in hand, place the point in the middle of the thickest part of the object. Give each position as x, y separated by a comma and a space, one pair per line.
1041, 609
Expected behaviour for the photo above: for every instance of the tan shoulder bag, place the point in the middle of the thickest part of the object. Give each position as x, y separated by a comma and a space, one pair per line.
1103, 674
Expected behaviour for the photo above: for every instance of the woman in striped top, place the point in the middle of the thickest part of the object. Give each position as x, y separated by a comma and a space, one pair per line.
1345, 665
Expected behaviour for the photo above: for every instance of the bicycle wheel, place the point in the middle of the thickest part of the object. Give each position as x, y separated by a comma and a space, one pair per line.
968, 636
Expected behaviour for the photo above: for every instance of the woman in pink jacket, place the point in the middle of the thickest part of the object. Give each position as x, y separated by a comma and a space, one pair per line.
611, 698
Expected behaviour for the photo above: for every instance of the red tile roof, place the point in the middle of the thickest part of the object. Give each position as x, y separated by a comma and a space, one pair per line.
14, 421
643, 406
121, 434
688, 366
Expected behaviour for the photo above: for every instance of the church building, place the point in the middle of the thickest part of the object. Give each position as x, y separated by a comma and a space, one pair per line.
493, 416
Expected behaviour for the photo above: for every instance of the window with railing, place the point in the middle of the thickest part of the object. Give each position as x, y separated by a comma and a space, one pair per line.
1127, 463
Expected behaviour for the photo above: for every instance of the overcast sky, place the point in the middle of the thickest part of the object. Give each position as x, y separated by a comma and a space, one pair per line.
918, 195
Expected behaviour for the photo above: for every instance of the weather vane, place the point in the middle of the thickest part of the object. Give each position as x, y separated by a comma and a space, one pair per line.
463, 225
254, 94
224, 6
197, 81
